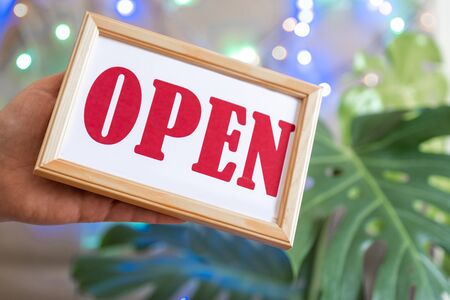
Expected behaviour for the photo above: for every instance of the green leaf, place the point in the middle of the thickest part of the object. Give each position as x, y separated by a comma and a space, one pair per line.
406, 77
378, 179
306, 235
381, 187
220, 262
409, 51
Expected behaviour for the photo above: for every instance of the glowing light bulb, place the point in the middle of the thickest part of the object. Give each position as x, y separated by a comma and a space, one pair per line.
304, 57
20, 10
397, 25
302, 29
279, 53
125, 7
289, 24
326, 89
62, 32
24, 61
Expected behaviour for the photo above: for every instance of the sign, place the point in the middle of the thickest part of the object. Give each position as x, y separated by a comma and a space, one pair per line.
183, 131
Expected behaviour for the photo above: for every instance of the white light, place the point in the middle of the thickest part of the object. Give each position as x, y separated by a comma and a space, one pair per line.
125, 7
397, 25
376, 3
306, 16
289, 24
304, 57
305, 4
326, 89
385, 8
248, 55
371, 80
23, 61
62, 32
279, 53
302, 29
20, 10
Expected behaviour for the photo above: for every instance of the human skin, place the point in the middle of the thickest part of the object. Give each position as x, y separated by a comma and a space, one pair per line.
27, 198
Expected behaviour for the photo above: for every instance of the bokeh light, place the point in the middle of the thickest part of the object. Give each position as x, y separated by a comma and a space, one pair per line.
306, 16
376, 3
20, 10
304, 57
279, 53
397, 25
289, 24
246, 54
183, 2
302, 29
385, 8
23, 61
125, 7
427, 20
305, 4
371, 80
62, 32
326, 89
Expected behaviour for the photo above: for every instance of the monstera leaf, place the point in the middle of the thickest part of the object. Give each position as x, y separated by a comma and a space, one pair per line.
188, 259
406, 77
380, 192
388, 193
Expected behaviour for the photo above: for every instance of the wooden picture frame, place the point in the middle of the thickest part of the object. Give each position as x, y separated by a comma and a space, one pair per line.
279, 232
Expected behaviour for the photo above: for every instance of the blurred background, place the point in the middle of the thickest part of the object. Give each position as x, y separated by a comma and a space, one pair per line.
316, 41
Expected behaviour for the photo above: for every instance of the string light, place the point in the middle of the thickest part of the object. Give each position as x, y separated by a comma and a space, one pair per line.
62, 32
304, 57
279, 53
125, 7
397, 25
306, 16
302, 29
289, 24
326, 89
24, 61
20, 10
385, 8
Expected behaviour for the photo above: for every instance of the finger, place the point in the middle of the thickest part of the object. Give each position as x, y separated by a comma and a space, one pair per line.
123, 212
50, 84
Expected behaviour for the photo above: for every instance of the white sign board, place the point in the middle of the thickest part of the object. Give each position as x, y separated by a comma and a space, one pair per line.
174, 128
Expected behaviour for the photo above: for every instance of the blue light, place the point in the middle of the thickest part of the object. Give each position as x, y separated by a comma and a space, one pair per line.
6, 7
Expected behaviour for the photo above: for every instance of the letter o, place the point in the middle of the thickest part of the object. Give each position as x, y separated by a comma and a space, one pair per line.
122, 85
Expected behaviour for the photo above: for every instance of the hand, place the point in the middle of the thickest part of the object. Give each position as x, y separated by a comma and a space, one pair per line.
25, 197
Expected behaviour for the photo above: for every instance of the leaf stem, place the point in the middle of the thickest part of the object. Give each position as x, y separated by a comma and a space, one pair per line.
322, 243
